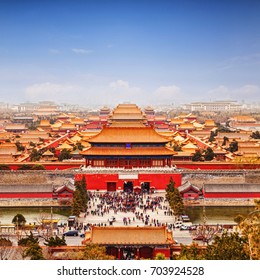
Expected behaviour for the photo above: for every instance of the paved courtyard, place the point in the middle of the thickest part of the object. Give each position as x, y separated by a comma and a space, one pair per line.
160, 212
159, 215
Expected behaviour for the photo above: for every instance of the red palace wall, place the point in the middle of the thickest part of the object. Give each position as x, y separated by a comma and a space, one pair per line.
232, 195
179, 164
216, 166
191, 195
165, 251
99, 181
48, 166
26, 195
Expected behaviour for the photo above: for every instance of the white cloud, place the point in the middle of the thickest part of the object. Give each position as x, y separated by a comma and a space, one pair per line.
121, 91
82, 51
248, 90
165, 94
119, 84
49, 90
219, 91
168, 91
241, 60
244, 92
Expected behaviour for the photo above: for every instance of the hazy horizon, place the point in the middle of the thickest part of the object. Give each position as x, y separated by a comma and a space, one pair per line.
145, 52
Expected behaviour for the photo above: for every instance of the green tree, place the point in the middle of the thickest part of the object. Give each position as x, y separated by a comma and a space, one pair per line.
55, 241
94, 252
25, 167
250, 229
225, 140
160, 256
32, 144
77, 203
34, 251
176, 203
65, 154
212, 136
19, 220
174, 198
19, 146
190, 252
255, 135
233, 146
80, 197
222, 128
26, 241
79, 146
209, 154
35, 155
170, 188
177, 148
38, 167
90, 252
197, 156
4, 167
227, 247
239, 218
82, 187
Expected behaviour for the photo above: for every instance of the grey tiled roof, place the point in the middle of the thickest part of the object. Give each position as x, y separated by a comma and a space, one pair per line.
37, 188
234, 188
187, 185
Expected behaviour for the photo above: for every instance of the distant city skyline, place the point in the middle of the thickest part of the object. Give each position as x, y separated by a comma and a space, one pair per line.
145, 52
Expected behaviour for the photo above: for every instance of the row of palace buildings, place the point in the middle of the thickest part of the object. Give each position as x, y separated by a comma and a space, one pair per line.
128, 154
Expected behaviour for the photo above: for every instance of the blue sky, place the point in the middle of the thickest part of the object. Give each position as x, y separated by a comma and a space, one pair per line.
147, 52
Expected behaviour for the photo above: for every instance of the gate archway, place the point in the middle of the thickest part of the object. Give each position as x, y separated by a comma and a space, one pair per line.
128, 186
145, 187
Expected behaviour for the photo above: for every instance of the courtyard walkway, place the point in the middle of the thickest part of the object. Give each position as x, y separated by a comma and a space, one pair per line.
120, 209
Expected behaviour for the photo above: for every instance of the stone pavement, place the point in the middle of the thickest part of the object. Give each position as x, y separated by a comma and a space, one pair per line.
183, 236
158, 214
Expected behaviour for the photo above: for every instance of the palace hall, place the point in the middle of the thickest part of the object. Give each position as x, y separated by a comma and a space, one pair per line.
128, 154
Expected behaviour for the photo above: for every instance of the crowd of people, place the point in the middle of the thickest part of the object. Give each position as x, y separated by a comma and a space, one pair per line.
137, 208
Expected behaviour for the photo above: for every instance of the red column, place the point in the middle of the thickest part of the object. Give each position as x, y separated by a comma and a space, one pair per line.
137, 254
118, 253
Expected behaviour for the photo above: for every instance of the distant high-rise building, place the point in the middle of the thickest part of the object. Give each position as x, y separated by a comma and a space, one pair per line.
215, 106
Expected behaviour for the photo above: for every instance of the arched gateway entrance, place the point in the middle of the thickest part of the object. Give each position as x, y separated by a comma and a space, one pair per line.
145, 186
130, 252
128, 186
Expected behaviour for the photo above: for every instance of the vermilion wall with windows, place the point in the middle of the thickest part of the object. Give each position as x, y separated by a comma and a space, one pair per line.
48, 166
179, 164
232, 195
216, 166
26, 195
158, 181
